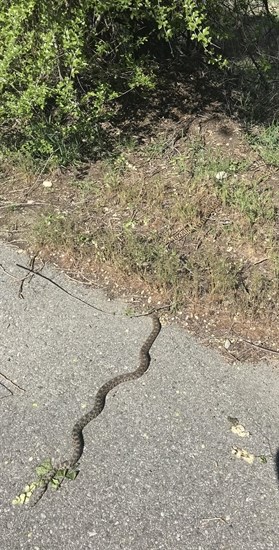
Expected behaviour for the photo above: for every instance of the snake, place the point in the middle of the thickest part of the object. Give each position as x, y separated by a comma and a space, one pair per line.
98, 406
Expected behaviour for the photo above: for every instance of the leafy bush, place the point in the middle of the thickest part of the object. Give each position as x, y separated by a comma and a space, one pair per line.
63, 63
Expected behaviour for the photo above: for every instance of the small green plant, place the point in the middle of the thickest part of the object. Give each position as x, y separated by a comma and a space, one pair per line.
267, 143
256, 204
55, 228
42, 471
206, 162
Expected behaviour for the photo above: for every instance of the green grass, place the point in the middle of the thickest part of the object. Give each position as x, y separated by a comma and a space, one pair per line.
267, 143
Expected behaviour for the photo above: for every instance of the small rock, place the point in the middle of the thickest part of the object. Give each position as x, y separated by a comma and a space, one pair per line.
221, 176
47, 183
227, 344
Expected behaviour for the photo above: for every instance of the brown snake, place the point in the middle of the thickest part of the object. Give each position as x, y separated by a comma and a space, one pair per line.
99, 403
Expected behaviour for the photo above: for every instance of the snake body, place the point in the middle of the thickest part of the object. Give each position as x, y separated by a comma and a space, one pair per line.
99, 403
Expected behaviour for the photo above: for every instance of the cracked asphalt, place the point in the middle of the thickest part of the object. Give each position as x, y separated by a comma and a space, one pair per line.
161, 468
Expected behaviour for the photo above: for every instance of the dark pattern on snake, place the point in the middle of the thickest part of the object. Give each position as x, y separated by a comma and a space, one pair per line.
100, 399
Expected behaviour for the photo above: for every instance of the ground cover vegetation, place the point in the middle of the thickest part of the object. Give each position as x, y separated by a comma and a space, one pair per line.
139, 146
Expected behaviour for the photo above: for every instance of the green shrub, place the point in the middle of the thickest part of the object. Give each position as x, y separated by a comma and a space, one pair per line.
63, 63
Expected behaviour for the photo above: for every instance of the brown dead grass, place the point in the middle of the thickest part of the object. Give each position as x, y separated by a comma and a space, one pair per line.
188, 219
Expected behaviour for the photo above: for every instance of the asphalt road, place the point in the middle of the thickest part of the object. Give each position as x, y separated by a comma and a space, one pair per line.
158, 469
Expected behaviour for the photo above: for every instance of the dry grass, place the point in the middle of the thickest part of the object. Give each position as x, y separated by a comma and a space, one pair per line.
193, 224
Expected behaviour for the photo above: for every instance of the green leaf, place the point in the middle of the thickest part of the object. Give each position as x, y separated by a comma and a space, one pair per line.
44, 468
72, 474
